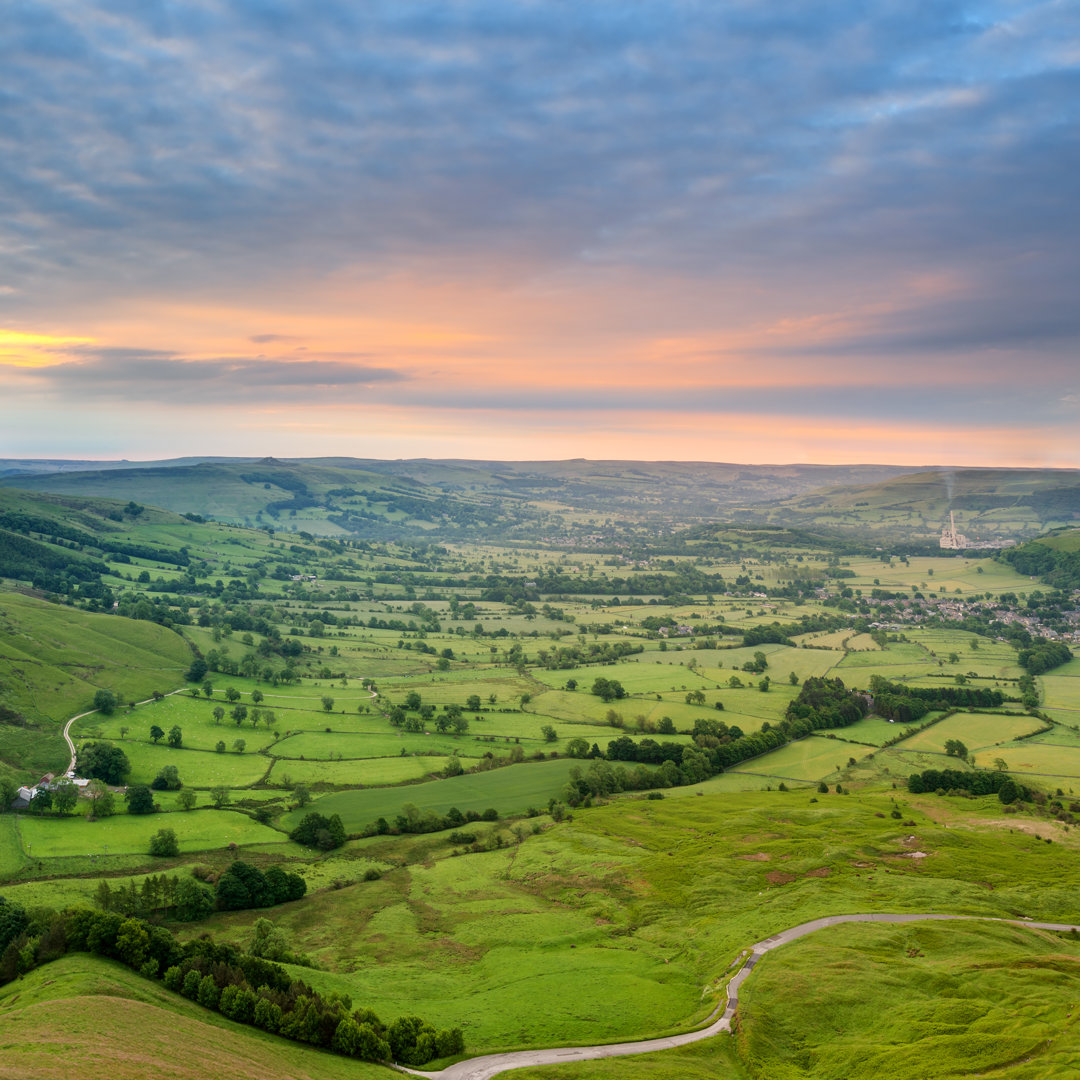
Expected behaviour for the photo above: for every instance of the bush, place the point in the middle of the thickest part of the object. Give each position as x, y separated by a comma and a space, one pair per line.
164, 844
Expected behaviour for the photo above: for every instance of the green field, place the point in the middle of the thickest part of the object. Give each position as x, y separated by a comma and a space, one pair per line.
366, 772
1036, 758
197, 830
808, 759
977, 731
965, 999
509, 790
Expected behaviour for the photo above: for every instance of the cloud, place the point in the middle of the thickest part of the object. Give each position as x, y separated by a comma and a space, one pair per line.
147, 375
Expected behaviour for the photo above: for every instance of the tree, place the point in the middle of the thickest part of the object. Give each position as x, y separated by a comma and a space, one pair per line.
472, 702
219, 746
793, 678
955, 748
232, 693
124, 729
156, 734
197, 672
327, 703
460, 724
105, 701
239, 714
549, 733
219, 794
164, 844
302, 795
315, 830
103, 761
167, 779
239, 746
65, 796
256, 697
218, 714
193, 900
187, 799
176, 737
140, 799
412, 701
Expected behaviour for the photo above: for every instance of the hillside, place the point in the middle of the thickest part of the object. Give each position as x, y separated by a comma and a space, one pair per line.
990, 505
53, 659
1054, 559
479, 499
83, 1016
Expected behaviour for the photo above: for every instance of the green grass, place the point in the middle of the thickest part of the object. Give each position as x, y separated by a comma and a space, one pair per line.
808, 759
1040, 759
81, 1015
12, 857
197, 830
509, 790
364, 773
198, 768
977, 731
52, 661
963, 1000
636, 887
874, 730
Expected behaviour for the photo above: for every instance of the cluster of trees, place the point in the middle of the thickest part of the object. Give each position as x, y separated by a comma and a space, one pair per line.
908, 704
564, 657
103, 761
1040, 658
608, 689
246, 988
414, 820
244, 886
318, 831
977, 782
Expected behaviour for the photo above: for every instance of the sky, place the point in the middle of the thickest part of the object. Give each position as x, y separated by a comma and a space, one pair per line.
533, 229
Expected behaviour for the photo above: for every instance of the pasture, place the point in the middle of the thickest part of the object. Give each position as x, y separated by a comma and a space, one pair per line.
811, 758
977, 731
509, 790
197, 830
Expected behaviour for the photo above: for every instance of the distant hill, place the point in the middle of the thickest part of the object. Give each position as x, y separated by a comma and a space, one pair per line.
456, 498
989, 505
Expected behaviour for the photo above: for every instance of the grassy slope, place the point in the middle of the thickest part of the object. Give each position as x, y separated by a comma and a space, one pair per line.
53, 658
611, 926
925, 1000
83, 1016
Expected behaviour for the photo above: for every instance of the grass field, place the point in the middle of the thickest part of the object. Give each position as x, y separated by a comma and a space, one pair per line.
808, 759
364, 773
1037, 758
977, 731
964, 1000
197, 830
484, 940
873, 730
509, 790
198, 768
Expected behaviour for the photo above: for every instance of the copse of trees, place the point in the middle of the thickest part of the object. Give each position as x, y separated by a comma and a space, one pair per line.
977, 782
1040, 658
908, 704
244, 886
318, 831
103, 761
245, 988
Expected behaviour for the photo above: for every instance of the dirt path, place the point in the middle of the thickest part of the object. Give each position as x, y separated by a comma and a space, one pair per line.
482, 1068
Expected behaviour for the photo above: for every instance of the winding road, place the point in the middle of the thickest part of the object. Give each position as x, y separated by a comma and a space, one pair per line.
482, 1068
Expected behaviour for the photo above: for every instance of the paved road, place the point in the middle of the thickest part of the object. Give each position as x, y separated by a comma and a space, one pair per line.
482, 1068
